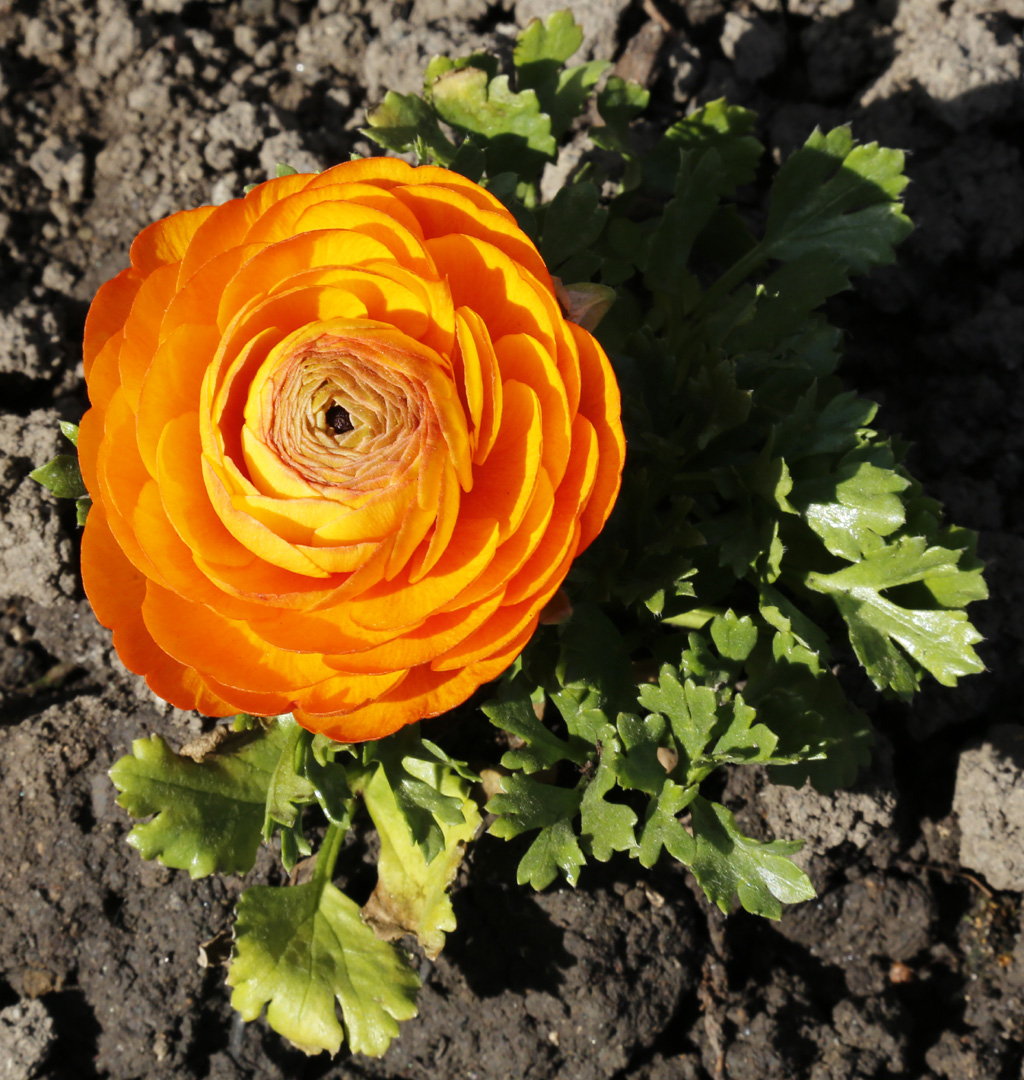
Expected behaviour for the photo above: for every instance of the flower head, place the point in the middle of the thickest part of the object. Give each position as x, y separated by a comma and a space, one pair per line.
343, 447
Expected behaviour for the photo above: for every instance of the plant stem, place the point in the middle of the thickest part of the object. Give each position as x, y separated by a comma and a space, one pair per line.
327, 856
735, 275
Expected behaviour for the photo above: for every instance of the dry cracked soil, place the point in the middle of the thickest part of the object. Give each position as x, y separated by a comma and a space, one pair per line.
911, 962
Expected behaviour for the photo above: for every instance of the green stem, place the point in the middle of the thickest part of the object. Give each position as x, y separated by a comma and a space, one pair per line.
327, 856
735, 275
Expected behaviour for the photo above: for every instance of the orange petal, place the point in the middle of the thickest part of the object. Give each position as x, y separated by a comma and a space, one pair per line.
522, 358
165, 242
601, 405
108, 312
504, 484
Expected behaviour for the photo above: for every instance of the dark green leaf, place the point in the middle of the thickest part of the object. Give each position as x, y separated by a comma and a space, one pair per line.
61, 476
726, 863
834, 196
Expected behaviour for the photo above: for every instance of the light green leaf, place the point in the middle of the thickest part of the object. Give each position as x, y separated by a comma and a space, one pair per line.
555, 39
415, 772
300, 949
411, 894
727, 863
887, 636
209, 815
540, 53
62, 476
517, 135
69, 431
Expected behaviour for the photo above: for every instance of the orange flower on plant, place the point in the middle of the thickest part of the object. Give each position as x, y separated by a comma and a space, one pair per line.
343, 447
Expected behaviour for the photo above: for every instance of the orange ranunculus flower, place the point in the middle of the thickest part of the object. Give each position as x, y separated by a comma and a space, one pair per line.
343, 446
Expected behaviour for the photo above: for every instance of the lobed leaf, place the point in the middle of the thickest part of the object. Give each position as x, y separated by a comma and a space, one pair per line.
887, 636
299, 950
726, 863
208, 816
837, 197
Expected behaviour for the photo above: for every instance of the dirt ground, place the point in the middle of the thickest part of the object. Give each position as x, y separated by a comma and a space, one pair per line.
911, 962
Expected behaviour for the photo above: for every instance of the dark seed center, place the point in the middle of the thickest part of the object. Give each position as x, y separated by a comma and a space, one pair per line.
339, 420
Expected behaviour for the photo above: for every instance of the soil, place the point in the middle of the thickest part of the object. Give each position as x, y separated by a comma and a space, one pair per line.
911, 962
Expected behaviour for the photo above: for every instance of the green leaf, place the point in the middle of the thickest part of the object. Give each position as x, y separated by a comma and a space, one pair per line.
540, 53
298, 950
513, 712
554, 850
605, 827
516, 134
692, 710
699, 183
289, 788
594, 669
411, 894
785, 300
619, 103
572, 223
525, 803
734, 636
726, 128
727, 863
662, 828
552, 41
62, 476
639, 767
283, 169
209, 815
804, 704
887, 636
404, 122
414, 773
855, 507
835, 196
69, 431
82, 507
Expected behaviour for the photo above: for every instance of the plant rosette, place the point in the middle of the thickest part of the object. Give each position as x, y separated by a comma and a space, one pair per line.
352, 453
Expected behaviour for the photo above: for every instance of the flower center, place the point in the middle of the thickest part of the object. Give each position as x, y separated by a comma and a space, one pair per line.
338, 419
